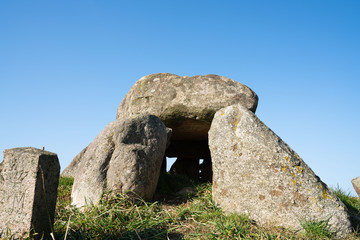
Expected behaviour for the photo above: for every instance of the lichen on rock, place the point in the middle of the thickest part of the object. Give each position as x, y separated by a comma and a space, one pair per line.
257, 174
175, 99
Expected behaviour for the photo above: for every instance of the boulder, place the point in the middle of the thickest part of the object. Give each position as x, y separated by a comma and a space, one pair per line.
125, 156
70, 170
185, 104
356, 183
257, 174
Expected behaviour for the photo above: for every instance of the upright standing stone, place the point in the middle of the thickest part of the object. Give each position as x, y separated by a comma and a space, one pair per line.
126, 156
29, 180
257, 174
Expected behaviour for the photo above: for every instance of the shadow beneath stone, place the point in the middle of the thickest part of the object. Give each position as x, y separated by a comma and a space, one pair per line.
355, 221
193, 159
149, 233
354, 215
175, 189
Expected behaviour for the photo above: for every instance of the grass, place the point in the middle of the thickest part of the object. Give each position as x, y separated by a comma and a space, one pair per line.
317, 229
192, 215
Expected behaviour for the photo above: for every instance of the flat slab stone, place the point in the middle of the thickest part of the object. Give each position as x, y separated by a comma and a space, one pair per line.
185, 104
23, 205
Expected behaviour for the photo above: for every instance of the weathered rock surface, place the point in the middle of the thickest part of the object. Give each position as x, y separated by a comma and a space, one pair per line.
256, 173
356, 183
126, 155
70, 170
185, 104
23, 206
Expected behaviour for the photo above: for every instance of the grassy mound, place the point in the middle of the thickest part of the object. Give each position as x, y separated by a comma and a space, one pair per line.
182, 209
176, 214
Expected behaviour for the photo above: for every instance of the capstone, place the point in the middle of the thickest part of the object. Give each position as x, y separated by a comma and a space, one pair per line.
185, 104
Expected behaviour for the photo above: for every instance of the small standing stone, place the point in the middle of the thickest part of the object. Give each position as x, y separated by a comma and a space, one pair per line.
29, 180
356, 183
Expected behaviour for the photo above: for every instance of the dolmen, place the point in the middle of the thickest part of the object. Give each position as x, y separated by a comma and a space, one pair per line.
211, 118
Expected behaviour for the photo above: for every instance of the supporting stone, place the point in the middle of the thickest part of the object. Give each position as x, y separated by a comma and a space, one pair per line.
126, 156
259, 175
29, 180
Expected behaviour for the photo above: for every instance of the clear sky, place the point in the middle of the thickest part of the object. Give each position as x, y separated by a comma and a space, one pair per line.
65, 66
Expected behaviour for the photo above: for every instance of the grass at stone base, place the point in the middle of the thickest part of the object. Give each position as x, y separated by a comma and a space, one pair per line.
194, 216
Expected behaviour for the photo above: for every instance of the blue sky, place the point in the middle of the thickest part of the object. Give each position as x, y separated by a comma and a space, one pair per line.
65, 66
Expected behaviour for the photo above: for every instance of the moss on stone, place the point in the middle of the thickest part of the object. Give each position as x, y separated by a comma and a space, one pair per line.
207, 114
172, 116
